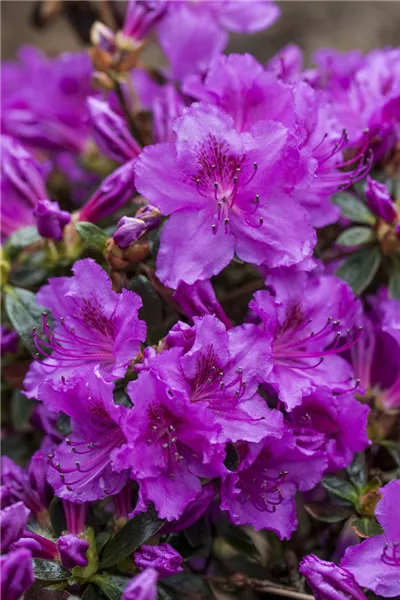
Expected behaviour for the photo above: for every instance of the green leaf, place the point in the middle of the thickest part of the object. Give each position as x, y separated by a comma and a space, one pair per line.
340, 488
352, 208
135, 533
21, 409
57, 516
24, 314
92, 235
328, 513
92, 592
394, 278
366, 528
22, 238
360, 268
358, 472
151, 311
112, 586
38, 592
48, 570
355, 236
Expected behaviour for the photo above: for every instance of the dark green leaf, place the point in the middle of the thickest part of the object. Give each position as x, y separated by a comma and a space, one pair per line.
21, 409
112, 586
198, 536
38, 592
352, 208
394, 278
135, 533
164, 593
48, 570
57, 516
358, 472
328, 513
366, 528
188, 585
22, 238
92, 235
340, 489
92, 592
360, 268
151, 311
355, 236
24, 314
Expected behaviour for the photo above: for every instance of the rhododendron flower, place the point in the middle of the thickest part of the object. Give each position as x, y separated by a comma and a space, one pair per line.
225, 190
93, 325
375, 563
328, 581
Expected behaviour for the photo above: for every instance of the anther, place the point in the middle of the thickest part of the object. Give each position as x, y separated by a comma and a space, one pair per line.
165, 445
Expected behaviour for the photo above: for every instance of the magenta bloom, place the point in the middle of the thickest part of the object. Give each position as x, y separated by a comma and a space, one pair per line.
166, 453
142, 587
13, 519
92, 326
375, 563
379, 200
72, 551
163, 558
50, 219
9, 340
224, 192
333, 425
328, 581
81, 466
16, 573
262, 492
43, 100
17, 487
193, 33
220, 370
198, 300
311, 320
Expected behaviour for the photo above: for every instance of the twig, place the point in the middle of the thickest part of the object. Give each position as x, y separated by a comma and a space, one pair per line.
286, 593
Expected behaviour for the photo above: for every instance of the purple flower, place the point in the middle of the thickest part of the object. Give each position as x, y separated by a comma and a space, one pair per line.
166, 107
141, 18
114, 192
75, 516
43, 100
224, 192
328, 581
72, 551
198, 300
37, 472
311, 320
9, 340
379, 200
92, 326
333, 425
193, 511
16, 481
192, 34
81, 466
221, 370
261, 493
13, 520
165, 453
130, 229
142, 587
16, 573
111, 132
38, 545
163, 558
375, 563
287, 64
50, 219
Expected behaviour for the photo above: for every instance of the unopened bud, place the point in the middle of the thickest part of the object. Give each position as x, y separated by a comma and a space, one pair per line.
50, 219
72, 551
379, 200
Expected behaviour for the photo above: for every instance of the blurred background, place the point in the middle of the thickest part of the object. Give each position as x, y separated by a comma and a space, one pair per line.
310, 24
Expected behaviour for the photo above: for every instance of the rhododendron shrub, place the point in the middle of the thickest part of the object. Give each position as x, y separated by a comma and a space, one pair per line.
200, 316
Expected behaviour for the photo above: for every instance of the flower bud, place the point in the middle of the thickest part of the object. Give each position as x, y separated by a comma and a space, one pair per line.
17, 483
142, 587
9, 340
102, 37
16, 574
329, 581
21, 171
115, 191
166, 109
379, 200
12, 521
38, 545
72, 551
199, 299
111, 132
163, 558
50, 219
141, 17
128, 231
37, 473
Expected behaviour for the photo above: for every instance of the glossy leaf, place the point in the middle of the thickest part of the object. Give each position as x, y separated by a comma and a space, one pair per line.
135, 533
355, 236
21, 409
24, 314
328, 513
352, 208
366, 527
92, 235
394, 278
358, 472
340, 488
151, 311
49, 570
112, 586
360, 268
22, 238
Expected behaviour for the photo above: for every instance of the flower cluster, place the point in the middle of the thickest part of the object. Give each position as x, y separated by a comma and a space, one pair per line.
185, 257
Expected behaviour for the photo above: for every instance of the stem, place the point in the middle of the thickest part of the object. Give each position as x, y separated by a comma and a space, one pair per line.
271, 589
